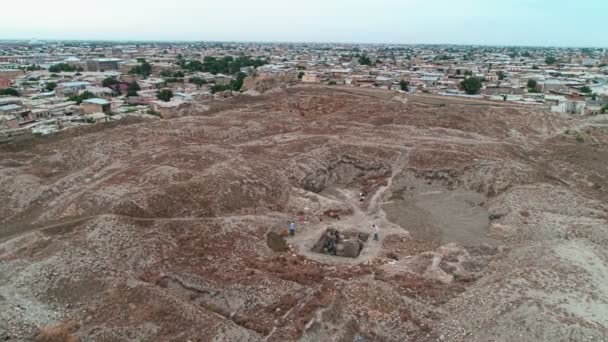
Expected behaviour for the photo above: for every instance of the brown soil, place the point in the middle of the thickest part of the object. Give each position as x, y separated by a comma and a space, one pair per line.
492, 224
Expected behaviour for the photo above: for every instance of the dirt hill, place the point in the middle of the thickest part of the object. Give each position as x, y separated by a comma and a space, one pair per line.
493, 224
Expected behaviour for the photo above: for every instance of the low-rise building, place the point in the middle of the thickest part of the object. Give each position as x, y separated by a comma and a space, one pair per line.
10, 108
167, 109
103, 64
5, 83
311, 78
9, 121
96, 106
70, 88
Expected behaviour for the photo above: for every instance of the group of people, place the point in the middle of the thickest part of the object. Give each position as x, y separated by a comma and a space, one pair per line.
375, 230
362, 195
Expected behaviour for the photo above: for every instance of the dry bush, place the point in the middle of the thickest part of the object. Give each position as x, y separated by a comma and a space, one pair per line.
59, 333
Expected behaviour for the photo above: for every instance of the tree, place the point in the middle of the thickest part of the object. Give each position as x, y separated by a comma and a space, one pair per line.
300, 75
364, 60
403, 84
238, 83
535, 67
198, 81
85, 95
501, 75
63, 67
50, 86
471, 85
234, 85
133, 89
164, 95
216, 88
585, 89
468, 73
109, 81
9, 91
331, 83
594, 96
550, 60
144, 68
532, 84
225, 65
32, 67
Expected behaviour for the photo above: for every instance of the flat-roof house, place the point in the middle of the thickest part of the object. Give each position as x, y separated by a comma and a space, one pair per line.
222, 79
96, 106
9, 121
10, 108
311, 78
167, 109
5, 83
23, 115
103, 64
70, 88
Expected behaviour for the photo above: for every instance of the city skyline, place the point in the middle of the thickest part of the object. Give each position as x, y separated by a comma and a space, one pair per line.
469, 22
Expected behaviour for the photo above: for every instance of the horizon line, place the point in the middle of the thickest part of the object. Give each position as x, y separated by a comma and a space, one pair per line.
289, 42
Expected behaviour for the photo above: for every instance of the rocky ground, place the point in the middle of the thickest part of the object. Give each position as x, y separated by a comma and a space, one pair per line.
493, 224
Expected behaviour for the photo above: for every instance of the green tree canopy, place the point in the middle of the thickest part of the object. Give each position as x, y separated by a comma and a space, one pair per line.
300, 75
9, 91
471, 85
585, 89
110, 81
133, 89
532, 84
63, 67
403, 84
50, 86
225, 65
144, 68
164, 95
364, 60
85, 95
550, 60
501, 75
235, 84
198, 81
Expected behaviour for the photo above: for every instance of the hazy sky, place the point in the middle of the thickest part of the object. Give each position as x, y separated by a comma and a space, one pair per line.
504, 22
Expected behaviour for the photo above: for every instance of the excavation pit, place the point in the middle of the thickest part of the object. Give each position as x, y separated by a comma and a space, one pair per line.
347, 244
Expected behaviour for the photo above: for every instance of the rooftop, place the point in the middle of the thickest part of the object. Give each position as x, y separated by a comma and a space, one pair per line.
97, 101
74, 84
9, 107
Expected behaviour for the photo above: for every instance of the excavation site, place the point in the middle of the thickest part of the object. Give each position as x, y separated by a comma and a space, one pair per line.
310, 213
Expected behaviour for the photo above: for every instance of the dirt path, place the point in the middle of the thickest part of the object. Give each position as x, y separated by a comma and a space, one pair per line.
30, 229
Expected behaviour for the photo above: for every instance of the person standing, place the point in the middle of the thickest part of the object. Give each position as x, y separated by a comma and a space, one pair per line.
292, 228
376, 232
